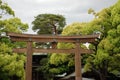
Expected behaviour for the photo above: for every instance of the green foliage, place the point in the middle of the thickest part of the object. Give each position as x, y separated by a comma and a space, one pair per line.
11, 64
115, 67
115, 14
4, 48
61, 63
74, 29
65, 45
48, 24
5, 9
91, 11
57, 59
12, 25
88, 65
107, 58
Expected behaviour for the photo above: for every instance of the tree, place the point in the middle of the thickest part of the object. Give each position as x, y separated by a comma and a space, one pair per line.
5, 9
12, 64
12, 25
48, 24
106, 60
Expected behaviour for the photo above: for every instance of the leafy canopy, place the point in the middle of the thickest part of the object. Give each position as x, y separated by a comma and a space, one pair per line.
108, 49
48, 24
11, 64
5, 9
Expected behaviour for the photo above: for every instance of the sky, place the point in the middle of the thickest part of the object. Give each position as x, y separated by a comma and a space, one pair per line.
72, 10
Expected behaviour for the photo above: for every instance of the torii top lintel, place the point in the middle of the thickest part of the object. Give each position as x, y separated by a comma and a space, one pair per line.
52, 38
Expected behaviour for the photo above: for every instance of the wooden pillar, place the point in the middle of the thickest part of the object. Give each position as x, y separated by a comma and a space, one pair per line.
28, 74
78, 73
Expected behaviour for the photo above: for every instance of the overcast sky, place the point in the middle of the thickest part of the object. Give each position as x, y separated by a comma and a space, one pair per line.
72, 10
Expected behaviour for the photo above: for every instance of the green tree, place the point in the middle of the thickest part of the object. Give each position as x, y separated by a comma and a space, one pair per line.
12, 25
11, 64
5, 9
48, 24
106, 59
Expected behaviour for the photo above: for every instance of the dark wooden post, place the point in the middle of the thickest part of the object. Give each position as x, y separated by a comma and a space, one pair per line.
29, 61
78, 62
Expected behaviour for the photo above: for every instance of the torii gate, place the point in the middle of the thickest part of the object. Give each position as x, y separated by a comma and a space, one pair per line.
30, 38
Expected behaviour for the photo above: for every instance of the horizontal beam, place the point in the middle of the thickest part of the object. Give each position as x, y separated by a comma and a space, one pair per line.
37, 50
51, 38
89, 40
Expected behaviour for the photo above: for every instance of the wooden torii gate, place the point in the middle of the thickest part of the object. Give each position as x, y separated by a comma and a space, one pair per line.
30, 38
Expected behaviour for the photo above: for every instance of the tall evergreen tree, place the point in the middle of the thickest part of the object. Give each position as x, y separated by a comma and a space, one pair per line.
48, 24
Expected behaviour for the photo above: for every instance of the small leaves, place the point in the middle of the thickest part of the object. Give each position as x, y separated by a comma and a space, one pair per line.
5, 9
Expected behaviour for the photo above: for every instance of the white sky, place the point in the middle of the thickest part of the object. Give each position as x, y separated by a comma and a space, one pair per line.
72, 10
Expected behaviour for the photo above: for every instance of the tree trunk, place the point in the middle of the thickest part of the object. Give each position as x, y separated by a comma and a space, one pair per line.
102, 77
103, 70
